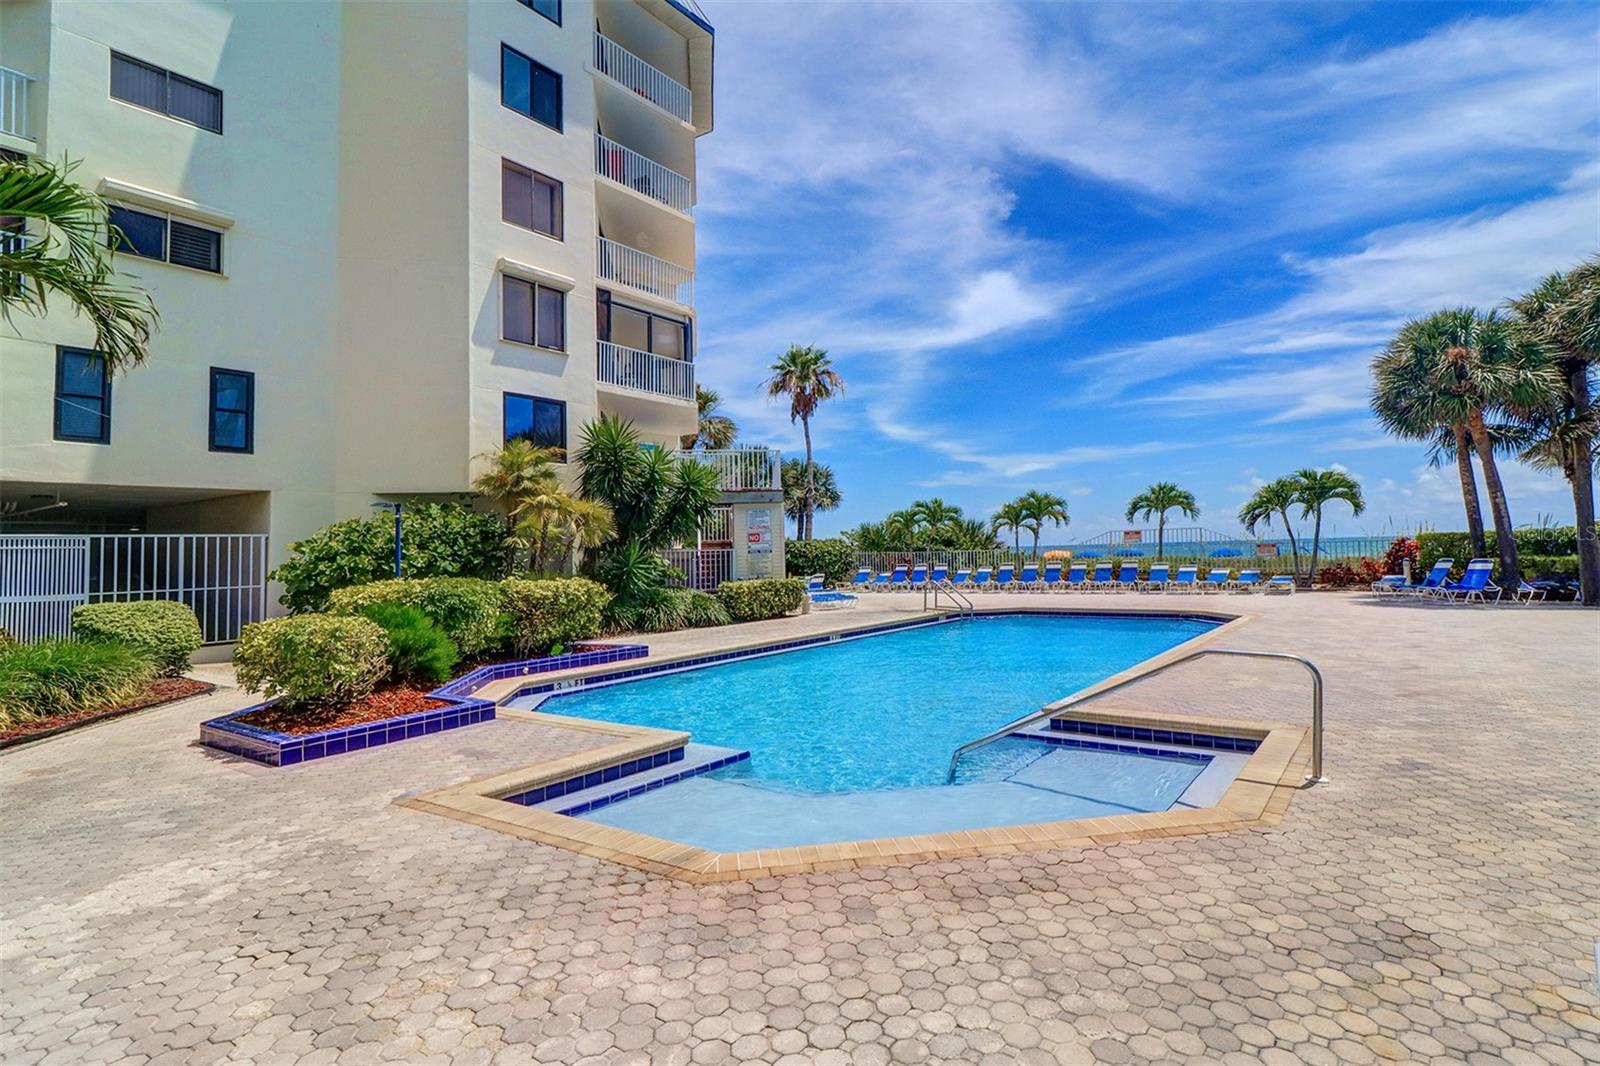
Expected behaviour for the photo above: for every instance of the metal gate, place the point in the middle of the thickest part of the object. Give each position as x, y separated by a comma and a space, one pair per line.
42, 578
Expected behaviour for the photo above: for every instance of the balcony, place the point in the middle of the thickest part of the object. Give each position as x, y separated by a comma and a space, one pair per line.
642, 79
657, 375
642, 174
14, 103
743, 469
645, 273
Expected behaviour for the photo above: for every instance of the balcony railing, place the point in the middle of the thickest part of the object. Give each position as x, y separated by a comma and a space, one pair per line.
14, 103
622, 66
642, 174
629, 368
643, 271
743, 469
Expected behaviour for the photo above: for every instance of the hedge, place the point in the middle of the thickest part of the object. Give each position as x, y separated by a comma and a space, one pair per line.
51, 678
467, 609
834, 558
751, 601
1557, 542
165, 630
553, 611
312, 658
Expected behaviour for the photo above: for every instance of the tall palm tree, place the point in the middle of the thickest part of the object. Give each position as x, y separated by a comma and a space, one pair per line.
807, 377
931, 514
1157, 500
1314, 490
714, 430
1272, 500
1562, 316
1040, 509
1011, 516
67, 253
827, 496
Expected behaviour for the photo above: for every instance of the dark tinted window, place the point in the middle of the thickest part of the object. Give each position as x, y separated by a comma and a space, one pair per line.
142, 233
158, 237
150, 86
550, 9
530, 199
193, 102
633, 327
233, 410
527, 87
192, 246
83, 396
138, 83
550, 319
532, 418
533, 314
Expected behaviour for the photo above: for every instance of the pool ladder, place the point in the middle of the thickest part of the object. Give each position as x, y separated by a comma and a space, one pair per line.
1056, 709
958, 599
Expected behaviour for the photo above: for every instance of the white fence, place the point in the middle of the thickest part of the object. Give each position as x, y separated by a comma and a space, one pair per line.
621, 65
642, 174
645, 272
630, 368
702, 568
221, 576
718, 525
14, 103
742, 469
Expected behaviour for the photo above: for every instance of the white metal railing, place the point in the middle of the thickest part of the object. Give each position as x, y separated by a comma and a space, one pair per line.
14, 103
642, 174
743, 469
222, 576
622, 66
718, 526
645, 272
630, 368
702, 568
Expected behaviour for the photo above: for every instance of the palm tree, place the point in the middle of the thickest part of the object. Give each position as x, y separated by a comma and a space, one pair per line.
67, 253
714, 431
1011, 516
807, 377
1272, 499
931, 514
1562, 316
794, 491
655, 497
517, 471
1157, 500
1315, 489
1039, 508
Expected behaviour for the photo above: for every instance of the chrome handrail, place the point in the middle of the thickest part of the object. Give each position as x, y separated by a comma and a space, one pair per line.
1056, 709
963, 605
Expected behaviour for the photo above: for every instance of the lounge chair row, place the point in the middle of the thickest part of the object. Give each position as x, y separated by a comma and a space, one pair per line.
1104, 578
1475, 586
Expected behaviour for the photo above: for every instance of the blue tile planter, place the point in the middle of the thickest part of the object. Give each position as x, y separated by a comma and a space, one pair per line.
286, 749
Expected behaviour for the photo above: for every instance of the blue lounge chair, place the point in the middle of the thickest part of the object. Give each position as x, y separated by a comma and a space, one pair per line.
1127, 577
963, 577
940, 573
919, 577
1030, 577
983, 578
862, 579
1102, 576
1280, 583
1185, 581
1077, 576
1247, 581
817, 583
1052, 577
1527, 593
1431, 583
884, 582
1215, 581
1474, 584
1157, 581
829, 601
1388, 583
1004, 579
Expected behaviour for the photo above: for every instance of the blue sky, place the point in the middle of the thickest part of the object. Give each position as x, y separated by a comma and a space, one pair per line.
1084, 248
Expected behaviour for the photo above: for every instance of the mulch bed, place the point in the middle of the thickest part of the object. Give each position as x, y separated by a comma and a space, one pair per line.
166, 690
385, 703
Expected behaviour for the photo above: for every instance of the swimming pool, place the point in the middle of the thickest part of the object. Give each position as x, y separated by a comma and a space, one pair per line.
852, 739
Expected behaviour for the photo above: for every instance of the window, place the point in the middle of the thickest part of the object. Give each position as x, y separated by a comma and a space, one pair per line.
83, 396
529, 88
633, 327
157, 236
529, 199
536, 420
136, 82
550, 9
233, 410
533, 314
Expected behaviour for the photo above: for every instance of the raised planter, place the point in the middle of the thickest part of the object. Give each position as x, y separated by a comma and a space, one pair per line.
267, 746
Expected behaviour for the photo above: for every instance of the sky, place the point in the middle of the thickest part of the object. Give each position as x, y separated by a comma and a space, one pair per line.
1082, 248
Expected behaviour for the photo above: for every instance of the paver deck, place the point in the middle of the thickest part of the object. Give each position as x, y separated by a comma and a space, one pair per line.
1437, 900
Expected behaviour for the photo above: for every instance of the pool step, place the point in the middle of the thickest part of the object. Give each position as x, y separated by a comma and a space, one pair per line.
697, 759
1205, 791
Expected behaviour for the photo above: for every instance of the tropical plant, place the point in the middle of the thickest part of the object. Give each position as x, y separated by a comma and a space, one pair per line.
311, 660
825, 498
545, 521
1040, 509
1011, 516
677, 609
1158, 499
807, 377
418, 651
165, 630
655, 497
1272, 499
1314, 490
67, 253
714, 430
516, 471
1562, 316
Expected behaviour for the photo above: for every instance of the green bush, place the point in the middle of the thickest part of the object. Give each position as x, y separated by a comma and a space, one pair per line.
440, 540
669, 609
750, 601
553, 611
834, 558
165, 630
61, 677
1432, 547
419, 652
467, 609
312, 658
1535, 567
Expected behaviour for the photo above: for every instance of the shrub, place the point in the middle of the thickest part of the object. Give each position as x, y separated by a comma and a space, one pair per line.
312, 658
671, 609
61, 677
834, 558
750, 601
553, 611
418, 651
440, 540
1555, 542
165, 630
1399, 551
7, 641
1338, 576
1535, 567
467, 609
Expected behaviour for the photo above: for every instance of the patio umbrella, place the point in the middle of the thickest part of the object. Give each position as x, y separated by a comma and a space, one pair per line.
1226, 553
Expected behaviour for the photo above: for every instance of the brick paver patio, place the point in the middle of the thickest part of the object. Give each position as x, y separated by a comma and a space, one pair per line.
1438, 900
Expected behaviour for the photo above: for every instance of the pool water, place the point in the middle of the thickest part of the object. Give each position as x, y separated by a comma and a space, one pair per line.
885, 711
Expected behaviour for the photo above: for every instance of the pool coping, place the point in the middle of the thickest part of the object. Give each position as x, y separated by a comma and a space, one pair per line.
1258, 796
